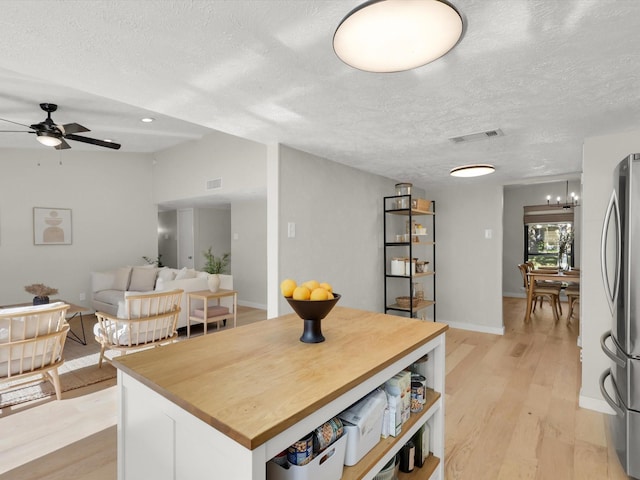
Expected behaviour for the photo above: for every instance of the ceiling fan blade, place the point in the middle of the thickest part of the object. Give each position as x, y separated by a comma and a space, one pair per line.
63, 145
15, 123
93, 141
15, 131
68, 128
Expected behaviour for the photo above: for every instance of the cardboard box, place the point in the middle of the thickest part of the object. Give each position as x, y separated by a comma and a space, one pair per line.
394, 414
401, 383
327, 465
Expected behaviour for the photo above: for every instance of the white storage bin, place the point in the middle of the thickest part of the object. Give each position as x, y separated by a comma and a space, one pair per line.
327, 465
364, 427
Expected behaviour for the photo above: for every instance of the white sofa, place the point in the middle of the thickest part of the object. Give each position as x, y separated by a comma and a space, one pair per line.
108, 288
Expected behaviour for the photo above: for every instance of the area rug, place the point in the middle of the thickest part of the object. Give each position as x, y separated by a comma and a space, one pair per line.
80, 369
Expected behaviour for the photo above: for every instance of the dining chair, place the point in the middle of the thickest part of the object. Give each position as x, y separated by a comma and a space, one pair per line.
540, 291
573, 297
546, 283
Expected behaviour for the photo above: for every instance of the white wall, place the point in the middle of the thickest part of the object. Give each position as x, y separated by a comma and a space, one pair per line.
469, 266
249, 251
212, 228
337, 211
181, 172
113, 214
515, 198
601, 155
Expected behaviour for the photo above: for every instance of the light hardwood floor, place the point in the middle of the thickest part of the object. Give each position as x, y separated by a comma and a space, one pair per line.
511, 413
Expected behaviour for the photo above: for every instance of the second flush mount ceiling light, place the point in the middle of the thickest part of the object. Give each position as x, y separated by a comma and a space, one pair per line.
386, 36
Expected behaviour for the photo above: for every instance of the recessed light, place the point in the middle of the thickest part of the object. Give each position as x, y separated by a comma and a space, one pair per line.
476, 170
147, 119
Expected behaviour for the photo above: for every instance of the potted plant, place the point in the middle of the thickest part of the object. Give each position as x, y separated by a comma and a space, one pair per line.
41, 293
214, 266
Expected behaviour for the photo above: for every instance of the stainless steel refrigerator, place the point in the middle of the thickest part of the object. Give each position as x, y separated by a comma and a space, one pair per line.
620, 264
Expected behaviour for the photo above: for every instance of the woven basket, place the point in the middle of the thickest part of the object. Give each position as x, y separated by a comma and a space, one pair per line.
405, 302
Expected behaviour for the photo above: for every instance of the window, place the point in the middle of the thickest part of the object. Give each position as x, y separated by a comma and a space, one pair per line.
545, 242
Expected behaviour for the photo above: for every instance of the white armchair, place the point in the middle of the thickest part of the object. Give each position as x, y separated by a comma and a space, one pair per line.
31, 342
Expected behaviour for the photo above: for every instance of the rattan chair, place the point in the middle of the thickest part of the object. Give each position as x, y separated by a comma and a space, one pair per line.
31, 343
144, 320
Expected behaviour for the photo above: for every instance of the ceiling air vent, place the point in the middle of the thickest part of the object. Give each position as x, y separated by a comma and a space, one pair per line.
472, 137
214, 184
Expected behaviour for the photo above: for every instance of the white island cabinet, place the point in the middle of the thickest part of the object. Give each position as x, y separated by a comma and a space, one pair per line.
220, 406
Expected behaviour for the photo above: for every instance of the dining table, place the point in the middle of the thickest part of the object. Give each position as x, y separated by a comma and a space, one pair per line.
566, 277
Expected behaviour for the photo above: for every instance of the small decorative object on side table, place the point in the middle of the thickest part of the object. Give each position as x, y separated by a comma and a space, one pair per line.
41, 293
214, 266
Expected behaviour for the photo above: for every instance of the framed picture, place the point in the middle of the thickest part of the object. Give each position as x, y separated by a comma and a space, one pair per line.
51, 226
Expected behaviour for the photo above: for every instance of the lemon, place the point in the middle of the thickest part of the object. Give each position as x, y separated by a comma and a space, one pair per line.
287, 287
319, 294
301, 293
330, 296
327, 287
311, 284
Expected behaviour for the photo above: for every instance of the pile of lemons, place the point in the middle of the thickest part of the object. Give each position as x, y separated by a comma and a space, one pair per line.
309, 290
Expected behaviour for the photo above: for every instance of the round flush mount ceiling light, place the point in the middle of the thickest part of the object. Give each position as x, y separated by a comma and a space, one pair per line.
472, 170
385, 36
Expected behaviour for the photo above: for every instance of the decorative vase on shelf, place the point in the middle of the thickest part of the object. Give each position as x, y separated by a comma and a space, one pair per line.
214, 282
40, 300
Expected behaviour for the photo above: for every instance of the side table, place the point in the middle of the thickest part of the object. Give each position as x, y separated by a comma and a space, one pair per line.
205, 296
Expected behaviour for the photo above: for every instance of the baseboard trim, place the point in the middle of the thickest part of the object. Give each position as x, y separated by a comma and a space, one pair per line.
596, 404
244, 303
475, 328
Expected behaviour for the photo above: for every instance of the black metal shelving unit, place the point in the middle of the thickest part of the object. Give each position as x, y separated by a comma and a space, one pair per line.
401, 206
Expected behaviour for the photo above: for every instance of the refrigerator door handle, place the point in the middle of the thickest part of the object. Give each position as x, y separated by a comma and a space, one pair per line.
612, 403
611, 285
621, 362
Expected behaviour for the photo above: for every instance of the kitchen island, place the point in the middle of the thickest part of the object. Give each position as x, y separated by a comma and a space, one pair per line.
220, 406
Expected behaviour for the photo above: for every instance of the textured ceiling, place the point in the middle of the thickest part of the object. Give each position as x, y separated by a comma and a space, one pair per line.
548, 73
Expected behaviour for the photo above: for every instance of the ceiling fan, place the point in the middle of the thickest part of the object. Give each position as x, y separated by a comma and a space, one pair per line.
53, 135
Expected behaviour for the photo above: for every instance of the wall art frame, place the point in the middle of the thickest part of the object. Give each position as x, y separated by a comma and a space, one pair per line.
52, 226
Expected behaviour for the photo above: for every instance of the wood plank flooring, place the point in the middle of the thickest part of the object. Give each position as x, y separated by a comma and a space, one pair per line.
511, 413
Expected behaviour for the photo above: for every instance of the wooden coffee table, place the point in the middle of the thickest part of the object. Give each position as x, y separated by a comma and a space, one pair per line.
73, 312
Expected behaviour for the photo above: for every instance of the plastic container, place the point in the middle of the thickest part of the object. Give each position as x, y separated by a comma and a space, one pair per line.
363, 421
327, 465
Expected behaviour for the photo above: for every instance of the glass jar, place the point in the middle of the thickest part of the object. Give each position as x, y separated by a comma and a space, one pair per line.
403, 189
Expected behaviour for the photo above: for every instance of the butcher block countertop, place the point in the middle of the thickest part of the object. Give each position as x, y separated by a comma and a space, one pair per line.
255, 381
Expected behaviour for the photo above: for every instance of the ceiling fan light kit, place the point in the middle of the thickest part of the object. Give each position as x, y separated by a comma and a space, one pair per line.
385, 36
476, 170
47, 139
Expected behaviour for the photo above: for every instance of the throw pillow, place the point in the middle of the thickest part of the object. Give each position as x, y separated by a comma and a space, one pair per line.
143, 279
166, 274
122, 276
186, 273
